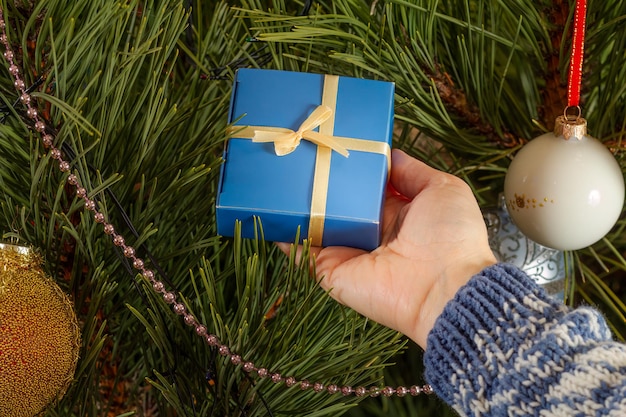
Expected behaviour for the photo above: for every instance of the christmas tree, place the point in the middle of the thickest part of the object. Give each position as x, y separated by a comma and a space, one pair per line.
135, 96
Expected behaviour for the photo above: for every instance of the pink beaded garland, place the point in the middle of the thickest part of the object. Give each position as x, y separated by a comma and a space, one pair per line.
201, 330
189, 319
137, 263
168, 296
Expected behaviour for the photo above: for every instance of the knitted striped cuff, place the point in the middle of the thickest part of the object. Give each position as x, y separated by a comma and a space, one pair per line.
503, 343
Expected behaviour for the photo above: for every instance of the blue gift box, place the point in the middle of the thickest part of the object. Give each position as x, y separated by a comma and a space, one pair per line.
289, 182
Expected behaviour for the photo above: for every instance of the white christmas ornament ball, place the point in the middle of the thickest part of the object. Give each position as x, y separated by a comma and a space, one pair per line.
565, 193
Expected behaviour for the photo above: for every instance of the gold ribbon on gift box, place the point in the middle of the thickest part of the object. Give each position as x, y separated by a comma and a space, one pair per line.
287, 140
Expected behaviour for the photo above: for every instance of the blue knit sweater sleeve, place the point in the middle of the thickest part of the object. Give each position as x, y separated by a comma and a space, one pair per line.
503, 347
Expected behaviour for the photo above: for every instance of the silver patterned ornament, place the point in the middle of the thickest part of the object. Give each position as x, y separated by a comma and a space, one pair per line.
546, 266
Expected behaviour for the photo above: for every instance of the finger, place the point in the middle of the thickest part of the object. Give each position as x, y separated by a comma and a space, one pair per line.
357, 281
324, 260
408, 175
287, 248
328, 259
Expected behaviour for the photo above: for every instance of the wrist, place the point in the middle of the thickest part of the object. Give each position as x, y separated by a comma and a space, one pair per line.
444, 289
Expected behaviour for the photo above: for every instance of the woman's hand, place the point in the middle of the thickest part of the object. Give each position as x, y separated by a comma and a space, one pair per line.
433, 242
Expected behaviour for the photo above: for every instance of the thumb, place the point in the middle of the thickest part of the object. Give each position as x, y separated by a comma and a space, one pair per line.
408, 175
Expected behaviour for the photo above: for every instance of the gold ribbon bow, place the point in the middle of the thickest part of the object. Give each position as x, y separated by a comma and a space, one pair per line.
287, 140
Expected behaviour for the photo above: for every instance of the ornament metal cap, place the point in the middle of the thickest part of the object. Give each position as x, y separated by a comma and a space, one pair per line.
16, 248
570, 125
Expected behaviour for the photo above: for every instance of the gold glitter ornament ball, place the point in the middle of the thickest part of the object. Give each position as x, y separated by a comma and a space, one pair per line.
39, 336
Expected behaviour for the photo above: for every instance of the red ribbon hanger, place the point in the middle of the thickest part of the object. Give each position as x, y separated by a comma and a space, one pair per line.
576, 61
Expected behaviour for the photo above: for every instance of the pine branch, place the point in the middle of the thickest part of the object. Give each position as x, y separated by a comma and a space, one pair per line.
139, 92
457, 103
554, 95
143, 125
373, 45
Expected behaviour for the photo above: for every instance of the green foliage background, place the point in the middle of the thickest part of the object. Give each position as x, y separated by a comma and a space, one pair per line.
140, 90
